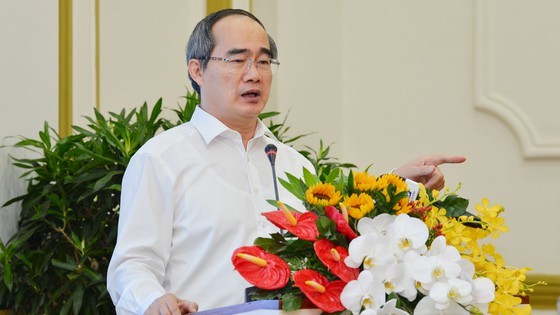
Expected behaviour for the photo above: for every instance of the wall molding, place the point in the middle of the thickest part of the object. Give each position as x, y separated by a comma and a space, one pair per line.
544, 296
533, 144
65, 68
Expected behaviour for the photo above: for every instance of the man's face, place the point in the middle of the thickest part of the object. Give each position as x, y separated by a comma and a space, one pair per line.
236, 99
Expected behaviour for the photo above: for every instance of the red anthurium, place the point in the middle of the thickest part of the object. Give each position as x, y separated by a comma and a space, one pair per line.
324, 294
341, 224
260, 268
333, 257
301, 225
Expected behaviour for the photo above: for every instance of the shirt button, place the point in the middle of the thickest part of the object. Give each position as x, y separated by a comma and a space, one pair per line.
256, 190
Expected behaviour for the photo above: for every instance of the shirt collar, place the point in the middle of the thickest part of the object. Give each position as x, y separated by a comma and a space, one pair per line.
210, 127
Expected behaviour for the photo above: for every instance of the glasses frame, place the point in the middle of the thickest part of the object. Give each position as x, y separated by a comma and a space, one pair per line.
274, 64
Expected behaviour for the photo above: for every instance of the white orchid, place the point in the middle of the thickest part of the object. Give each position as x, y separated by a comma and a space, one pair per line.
377, 225
390, 308
371, 250
395, 260
483, 288
427, 306
440, 263
408, 234
364, 293
396, 279
455, 289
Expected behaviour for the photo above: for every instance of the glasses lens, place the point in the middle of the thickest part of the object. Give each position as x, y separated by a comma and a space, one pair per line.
264, 66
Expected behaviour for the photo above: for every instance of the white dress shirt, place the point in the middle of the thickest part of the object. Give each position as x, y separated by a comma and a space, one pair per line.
190, 197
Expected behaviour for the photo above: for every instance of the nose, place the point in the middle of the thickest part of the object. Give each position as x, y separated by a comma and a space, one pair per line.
252, 65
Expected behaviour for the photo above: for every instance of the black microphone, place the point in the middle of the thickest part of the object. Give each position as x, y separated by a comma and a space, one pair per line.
271, 151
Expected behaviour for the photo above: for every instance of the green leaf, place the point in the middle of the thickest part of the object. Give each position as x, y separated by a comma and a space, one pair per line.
294, 185
455, 206
309, 178
70, 266
269, 245
290, 302
8, 276
333, 175
66, 308
326, 226
99, 184
78, 297
350, 187
266, 115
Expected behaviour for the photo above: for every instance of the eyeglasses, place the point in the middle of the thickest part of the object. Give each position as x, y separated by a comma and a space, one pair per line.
237, 65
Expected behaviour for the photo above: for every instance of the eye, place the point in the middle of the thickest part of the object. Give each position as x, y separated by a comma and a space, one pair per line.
237, 61
264, 62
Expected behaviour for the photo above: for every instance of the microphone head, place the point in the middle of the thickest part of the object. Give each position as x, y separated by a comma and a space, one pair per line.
271, 151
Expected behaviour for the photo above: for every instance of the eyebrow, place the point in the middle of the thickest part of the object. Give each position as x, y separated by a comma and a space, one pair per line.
236, 51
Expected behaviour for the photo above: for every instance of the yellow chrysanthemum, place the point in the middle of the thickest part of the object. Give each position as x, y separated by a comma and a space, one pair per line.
364, 182
322, 195
358, 205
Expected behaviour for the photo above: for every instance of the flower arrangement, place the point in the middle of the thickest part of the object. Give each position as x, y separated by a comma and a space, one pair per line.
382, 245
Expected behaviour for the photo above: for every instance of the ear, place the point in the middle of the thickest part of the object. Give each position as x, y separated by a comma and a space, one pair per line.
195, 71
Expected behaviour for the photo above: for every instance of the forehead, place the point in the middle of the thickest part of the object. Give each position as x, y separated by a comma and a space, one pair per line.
239, 32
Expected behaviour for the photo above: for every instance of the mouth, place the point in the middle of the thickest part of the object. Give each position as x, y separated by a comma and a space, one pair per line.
251, 95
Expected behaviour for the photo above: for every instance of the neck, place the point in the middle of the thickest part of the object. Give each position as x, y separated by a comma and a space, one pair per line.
244, 125
247, 131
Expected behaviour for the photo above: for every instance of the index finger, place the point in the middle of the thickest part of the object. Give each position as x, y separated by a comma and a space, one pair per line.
443, 159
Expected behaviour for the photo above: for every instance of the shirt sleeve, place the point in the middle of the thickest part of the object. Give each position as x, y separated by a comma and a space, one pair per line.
137, 268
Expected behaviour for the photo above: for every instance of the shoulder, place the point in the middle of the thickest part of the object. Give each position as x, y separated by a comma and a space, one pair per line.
169, 139
167, 146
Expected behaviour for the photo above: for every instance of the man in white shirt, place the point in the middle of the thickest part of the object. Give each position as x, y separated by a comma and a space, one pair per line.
194, 194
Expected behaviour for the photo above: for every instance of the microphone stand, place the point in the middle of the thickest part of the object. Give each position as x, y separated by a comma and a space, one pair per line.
271, 152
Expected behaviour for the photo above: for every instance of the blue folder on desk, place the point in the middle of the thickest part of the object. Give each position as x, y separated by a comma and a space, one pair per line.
243, 308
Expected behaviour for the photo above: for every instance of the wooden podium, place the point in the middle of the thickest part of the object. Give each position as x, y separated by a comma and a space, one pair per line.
263, 307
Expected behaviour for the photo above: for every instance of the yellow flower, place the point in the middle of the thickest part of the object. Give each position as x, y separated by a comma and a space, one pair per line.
358, 205
489, 214
456, 233
364, 182
384, 181
505, 304
322, 195
387, 179
423, 198
490, 250
435, 216
492, 211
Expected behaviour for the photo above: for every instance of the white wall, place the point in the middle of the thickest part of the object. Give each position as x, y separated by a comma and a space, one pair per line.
28, 88
392, 80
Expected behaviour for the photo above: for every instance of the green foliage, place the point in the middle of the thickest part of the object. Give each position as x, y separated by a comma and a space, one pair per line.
57, 261
322, 161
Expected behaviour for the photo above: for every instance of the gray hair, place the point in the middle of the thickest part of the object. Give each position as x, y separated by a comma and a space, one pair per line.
201, 42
